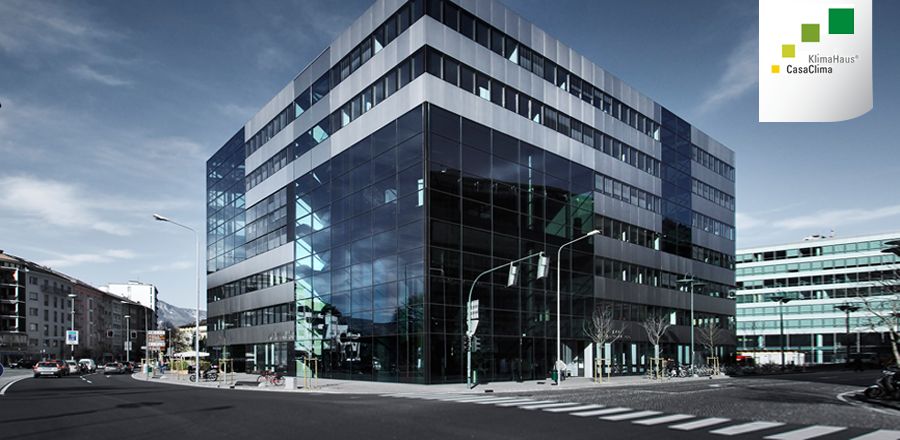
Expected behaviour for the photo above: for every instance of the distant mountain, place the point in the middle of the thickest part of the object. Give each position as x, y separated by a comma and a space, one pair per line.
172, 316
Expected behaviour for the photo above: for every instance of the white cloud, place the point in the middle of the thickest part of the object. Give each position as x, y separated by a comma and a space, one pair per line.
746, 221
84, 71
173, 266
740, 74
55, 203
833, 219
69, 260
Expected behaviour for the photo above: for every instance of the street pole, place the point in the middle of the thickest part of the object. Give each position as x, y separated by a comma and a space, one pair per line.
782, 300
559, 296
691, 282
469, 331
197, 272
128, 338
72, 298
847, 308
146, 345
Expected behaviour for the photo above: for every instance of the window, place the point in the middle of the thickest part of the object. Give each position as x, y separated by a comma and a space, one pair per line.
320, 88
482, 33
451, 71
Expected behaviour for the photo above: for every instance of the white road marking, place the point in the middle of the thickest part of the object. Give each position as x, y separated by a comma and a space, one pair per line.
90, 382
842, 397
881, 434
487, 400
6, 387
508, 401
745, 428
600, 412
549, 405
573, 408
807, 433
697, 424
532, 402
628, 416
663, 419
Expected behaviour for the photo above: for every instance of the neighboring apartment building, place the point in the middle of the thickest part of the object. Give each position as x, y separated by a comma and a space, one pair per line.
36, 305
817, 278
432, 141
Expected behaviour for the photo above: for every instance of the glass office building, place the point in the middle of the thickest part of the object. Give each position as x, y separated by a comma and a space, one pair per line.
434, 140
817, 278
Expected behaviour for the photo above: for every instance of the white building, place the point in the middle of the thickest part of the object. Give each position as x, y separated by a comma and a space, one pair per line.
829, 288
134, 291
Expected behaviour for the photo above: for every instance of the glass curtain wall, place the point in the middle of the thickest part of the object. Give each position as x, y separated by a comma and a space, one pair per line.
359, 248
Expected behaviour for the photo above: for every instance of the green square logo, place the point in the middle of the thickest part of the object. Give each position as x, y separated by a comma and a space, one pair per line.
788, 50
809, 33
840, 21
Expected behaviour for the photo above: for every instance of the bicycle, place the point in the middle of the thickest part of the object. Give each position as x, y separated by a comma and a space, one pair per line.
271, 377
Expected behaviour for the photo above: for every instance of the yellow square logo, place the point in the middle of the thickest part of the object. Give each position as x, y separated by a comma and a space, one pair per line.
776, 68
787, 50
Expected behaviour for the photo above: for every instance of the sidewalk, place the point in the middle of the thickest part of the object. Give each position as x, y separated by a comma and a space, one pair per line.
335, 386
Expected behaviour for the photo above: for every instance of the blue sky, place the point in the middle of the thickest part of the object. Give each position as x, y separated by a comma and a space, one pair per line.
110, 109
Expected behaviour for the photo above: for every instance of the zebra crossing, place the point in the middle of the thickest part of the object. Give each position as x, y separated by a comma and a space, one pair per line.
680, 422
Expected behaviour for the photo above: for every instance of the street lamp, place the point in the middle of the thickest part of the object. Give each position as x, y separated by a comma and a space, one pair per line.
197, 270
847, 308
127, 338
781, 300
72, 300
691, 282
559, 296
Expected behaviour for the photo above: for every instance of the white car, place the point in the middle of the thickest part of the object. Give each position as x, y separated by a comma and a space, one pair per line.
91, 365
73, 367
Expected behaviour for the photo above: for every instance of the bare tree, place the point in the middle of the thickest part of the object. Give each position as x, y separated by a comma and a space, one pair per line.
884, 311
656, 325
602, 329
710, 335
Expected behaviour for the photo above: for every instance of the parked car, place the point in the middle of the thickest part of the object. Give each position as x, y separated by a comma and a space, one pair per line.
90, 364
48, 368
112, 368
73, 367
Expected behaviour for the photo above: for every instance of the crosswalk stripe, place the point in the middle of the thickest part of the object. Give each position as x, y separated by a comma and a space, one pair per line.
495, 400
807, 433
745, 428
548, 405
697, 424
533, 402
628, 416
881, 434
663, 419
573, 408
600, 412
507, 401
472, 399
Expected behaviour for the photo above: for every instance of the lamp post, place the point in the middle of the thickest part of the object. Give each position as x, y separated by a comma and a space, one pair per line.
472, 322
72, 300
781, 300
691, 282
127, 338
847, 308
197, 312
559, 296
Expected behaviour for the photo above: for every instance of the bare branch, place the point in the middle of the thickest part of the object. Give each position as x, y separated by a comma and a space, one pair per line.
601, 328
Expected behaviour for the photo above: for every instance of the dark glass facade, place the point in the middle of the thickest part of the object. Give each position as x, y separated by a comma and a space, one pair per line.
225, 205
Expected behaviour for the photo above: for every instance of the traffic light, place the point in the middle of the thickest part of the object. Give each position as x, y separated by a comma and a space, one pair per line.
543, 267
133, 334
109, 333
465, 345
476, 343
513, 271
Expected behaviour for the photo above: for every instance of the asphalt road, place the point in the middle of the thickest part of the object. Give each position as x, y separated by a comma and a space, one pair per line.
116, 407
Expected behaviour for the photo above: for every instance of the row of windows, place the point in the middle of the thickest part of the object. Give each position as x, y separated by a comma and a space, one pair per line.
473, 81
712, 194
711, 225
633, 273
789, 309
225, 206
856, 277
874, 245
248, 318
252, 283
627, 193
647, 238
266, 243
387, 85
267, 215
842, 263
806, 323
395, 25
713, 163
492, 38
269, 167
267, 205
852, 292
